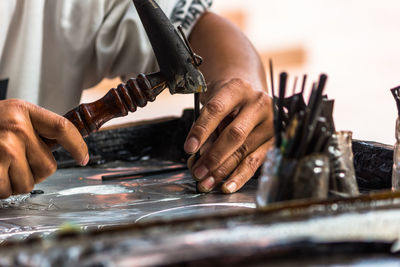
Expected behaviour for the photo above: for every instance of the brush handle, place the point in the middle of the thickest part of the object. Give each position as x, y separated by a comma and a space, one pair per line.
136, 92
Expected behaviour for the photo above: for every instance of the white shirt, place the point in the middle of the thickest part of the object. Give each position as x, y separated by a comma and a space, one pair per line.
50, 50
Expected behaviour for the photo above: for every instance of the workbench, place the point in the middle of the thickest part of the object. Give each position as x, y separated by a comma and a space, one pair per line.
76, 217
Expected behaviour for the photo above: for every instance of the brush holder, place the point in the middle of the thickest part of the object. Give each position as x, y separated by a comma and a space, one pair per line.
342, 177
268, 180
311, 178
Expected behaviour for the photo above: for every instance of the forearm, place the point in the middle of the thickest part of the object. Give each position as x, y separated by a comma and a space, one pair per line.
234, 129
226, 52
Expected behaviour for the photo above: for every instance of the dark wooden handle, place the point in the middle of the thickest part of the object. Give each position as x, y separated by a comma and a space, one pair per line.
88, 118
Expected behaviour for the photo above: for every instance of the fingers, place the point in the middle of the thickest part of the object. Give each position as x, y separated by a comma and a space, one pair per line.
53, 126
15, 173
40, 159
205, 147
258, 136
5, 186
209, 143
233, 137
215, 110
21, 163
241, 117
20, 175
24, 158
246, 169
191, 160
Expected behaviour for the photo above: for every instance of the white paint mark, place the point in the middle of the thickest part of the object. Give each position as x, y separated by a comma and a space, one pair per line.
95, 190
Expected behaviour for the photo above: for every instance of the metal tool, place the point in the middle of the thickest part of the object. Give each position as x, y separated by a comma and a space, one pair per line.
178, 72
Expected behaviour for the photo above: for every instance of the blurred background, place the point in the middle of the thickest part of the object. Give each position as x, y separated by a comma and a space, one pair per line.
355, 42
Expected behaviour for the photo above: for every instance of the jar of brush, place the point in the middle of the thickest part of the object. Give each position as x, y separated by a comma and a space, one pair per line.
310, 160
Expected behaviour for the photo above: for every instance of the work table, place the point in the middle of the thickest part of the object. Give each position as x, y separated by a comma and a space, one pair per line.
76, 217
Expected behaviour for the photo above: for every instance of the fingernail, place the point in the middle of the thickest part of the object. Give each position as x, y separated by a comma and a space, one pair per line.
208, 184
200, 172
231, 187
85, 161
191, 145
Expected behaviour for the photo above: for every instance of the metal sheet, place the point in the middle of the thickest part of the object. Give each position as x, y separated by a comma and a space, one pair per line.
355, 232
79, 197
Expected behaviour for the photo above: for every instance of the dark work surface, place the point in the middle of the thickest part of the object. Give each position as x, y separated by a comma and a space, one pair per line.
343, 232
159, 140
164, 141
163, 213
79, 198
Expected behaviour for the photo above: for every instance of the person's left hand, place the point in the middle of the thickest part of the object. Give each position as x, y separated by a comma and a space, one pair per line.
233, 132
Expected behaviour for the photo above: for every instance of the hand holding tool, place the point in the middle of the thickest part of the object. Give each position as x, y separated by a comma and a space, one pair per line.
178, 71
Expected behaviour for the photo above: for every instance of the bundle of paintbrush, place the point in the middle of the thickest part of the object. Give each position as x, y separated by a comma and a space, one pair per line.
310, 159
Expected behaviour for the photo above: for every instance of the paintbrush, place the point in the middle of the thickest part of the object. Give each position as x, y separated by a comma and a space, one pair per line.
281, 115
274, 100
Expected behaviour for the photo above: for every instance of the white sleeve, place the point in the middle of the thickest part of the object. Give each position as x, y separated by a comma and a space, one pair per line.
186, 13
121, 45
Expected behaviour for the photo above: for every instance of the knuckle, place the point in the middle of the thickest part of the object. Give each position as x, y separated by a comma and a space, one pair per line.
237, 157
221, 173
61, 125
8, 151
17, 123
253, 162
12, 155
237, 132
215, 106
16, 103
238, 83
241, 152
18, 126
214, 160
199, 129
263, 100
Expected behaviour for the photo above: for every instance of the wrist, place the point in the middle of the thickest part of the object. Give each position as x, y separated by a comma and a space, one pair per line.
236, 78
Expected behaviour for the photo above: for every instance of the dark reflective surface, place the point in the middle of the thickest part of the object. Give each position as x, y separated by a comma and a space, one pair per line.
79, 197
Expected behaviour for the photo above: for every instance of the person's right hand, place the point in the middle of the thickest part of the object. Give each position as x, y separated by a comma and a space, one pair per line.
25, 159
